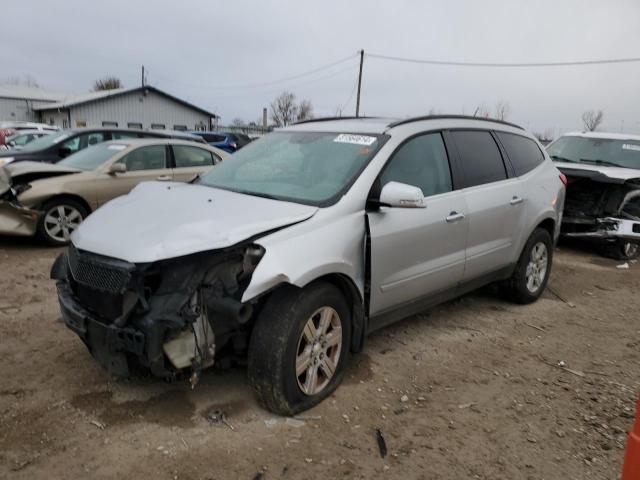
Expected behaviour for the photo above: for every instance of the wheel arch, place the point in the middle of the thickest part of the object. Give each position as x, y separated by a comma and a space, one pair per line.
69, 196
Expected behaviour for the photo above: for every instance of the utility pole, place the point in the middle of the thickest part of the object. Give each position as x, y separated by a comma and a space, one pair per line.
359, 83
143, 75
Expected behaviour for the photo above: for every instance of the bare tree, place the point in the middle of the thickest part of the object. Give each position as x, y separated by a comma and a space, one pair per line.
108, 82
237, 122
481, 111
285, 110
592, 119
502, 110
25, 80
434, 111
305, 111
544, 137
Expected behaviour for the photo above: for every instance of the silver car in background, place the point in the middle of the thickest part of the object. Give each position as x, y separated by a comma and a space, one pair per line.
305, 241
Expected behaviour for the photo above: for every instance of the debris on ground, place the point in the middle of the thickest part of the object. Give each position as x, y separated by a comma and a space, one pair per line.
97, 424
382, 444
623, 266
217, 417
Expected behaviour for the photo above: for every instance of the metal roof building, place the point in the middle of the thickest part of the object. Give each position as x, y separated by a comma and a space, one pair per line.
17, 103
139, 107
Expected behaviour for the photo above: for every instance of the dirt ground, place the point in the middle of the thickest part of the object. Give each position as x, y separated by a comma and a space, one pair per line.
468, 390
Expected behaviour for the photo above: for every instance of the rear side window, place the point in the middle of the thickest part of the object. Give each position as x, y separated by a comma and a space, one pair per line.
422, 162
480, 157
191, 156
213, 138
523, 152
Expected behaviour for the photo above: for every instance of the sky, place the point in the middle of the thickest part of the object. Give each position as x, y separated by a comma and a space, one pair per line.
228, 57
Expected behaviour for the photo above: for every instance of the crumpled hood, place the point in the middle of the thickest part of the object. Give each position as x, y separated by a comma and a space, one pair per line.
160, 220
617, 173
25, 172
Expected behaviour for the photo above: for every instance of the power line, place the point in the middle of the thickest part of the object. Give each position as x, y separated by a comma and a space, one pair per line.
504, 65
264, 84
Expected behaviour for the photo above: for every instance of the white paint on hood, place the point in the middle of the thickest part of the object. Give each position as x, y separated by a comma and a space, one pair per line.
160, 220
611, 172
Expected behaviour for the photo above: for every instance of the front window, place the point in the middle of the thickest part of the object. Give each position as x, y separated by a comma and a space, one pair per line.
91, 158
304, 167
596, 151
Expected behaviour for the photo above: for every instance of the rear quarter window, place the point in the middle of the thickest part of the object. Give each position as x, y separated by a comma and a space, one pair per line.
480, 157
522, 151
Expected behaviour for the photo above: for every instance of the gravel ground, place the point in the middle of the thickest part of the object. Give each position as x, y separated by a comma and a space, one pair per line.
471, 389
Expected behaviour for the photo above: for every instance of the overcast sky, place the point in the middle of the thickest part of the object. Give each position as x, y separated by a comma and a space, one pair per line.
216, 54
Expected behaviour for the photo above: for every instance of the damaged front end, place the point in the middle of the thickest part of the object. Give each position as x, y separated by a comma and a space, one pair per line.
601, 208
167, 317
15, 218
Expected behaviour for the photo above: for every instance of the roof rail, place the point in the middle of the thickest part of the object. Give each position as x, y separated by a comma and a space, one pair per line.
329, 119
443, 117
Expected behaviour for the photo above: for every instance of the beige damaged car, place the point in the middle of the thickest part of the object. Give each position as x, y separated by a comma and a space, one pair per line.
51, 200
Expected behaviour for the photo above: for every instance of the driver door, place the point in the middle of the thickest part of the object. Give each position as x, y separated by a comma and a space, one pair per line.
417, 252
143, 164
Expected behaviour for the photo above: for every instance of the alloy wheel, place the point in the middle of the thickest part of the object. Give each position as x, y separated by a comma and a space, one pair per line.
318, 351
537, 267
60, 221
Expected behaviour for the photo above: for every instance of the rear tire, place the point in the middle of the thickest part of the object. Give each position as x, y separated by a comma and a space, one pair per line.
299, 347
60, 218
530, 277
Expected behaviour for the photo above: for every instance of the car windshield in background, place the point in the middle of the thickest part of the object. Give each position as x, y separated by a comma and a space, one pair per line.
303, 167
45, 142
596, 151
92, 157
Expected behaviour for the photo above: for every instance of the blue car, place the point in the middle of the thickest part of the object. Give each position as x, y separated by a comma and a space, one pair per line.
229, 142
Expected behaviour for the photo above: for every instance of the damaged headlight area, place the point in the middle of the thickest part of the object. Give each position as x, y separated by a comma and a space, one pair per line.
602, 210
168, 317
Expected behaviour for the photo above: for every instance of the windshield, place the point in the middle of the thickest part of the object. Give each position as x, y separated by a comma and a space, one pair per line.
19, 139
45, 142
92, 157
303, 167
596, 151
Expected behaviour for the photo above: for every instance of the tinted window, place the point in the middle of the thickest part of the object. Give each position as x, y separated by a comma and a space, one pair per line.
158, 126
191, 156
180, 128
523, 152
421, 162
109, 124
213, 138
480, 157
121, 135
152, 157
134, 125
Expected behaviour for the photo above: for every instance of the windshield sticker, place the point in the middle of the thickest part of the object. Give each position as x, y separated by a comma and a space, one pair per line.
630, 146
355, 139
117, 147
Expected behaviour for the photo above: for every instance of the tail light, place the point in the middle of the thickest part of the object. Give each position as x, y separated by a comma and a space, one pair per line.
563, 179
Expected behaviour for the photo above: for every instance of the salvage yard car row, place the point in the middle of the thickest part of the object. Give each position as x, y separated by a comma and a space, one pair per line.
289, 252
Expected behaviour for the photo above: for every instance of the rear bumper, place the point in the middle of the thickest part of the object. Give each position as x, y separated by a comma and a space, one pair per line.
17, 220
611, 228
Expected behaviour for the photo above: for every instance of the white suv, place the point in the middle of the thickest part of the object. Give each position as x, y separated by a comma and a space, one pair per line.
306, 240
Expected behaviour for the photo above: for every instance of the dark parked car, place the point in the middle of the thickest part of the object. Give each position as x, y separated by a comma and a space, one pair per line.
54, 148
229, 142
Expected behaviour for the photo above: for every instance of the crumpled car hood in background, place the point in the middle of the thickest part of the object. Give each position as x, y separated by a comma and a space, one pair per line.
160, 220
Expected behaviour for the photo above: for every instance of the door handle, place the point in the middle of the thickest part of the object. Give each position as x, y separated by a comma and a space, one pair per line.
516, 200
454, 217
163, 178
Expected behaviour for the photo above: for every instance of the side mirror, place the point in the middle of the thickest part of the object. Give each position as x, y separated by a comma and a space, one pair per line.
115, 168
64, 152
401, 195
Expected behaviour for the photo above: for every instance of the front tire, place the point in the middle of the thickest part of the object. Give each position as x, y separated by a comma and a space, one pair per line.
530, 277
299, 347
60, 218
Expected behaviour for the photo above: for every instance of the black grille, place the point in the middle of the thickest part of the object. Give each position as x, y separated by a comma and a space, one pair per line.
99, 273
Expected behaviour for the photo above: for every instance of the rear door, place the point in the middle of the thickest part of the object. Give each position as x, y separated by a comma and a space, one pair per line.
191, 161
495, 203
417, 252
145, 163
